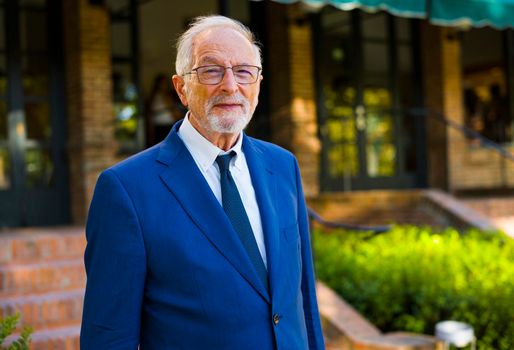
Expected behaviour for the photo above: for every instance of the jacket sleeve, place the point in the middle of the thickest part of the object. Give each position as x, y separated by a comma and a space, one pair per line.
310, 304
115, 264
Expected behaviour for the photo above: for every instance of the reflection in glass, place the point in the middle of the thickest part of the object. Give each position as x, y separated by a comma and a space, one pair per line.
3, 121
343, 160
35, 75
125, 103
118, 6
485, 83
380, 148
376, 58
341, 130
122, 83
335, 21
403, 30
37, 115
381, 159
2, 29
3, 76
39, 167
374, 26
379, 128
377, 97
33, 33
33, 3
5, 169
405, 58
126, 120
120, 39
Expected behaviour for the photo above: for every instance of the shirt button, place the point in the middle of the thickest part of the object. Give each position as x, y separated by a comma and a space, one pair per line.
276, 319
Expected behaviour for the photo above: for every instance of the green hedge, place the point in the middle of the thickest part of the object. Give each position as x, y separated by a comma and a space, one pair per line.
410, 278
7, 327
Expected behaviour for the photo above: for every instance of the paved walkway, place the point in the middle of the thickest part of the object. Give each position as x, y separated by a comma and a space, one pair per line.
506, 224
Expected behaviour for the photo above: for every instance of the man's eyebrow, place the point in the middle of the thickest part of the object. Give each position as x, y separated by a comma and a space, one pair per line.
208, 60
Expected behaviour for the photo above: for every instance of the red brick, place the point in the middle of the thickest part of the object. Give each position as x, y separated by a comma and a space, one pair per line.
89, 100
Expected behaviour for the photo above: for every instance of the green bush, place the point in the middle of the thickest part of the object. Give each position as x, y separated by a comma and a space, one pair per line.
410, 278
7, 326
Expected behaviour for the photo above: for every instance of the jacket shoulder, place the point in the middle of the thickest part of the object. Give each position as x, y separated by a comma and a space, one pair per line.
272, 150
137, 163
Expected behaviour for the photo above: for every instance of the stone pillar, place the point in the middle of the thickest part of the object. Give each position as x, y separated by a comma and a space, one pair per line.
292, 101
443, 94
91, 142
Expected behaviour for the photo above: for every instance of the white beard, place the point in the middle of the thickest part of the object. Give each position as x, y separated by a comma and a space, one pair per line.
229, 123
232, 122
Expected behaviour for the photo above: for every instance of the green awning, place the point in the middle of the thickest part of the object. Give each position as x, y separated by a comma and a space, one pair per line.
404, 8
476, 13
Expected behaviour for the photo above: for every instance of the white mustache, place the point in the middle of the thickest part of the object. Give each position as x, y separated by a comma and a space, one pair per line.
234, 99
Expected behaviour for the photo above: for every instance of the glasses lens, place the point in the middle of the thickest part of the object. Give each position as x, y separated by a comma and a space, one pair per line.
245, 74
213, 75
210, 74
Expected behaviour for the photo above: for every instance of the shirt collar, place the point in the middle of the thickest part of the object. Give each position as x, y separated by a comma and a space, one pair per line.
202, 150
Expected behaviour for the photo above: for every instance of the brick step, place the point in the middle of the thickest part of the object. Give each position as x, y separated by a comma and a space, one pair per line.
49, 310
41, 277
41, 244
383, 217
62, 338
491, 207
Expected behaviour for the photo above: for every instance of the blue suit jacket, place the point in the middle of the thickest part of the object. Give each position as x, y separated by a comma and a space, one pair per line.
166, 270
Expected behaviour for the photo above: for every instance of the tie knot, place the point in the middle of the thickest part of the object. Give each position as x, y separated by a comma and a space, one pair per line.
224, 160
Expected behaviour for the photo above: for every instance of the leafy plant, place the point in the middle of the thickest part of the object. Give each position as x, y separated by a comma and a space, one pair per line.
7, 326
410, 278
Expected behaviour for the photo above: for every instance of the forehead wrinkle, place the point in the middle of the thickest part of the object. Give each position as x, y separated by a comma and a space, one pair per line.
215, 52
208, 60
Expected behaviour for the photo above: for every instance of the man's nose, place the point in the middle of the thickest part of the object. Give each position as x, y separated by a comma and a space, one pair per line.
229, 83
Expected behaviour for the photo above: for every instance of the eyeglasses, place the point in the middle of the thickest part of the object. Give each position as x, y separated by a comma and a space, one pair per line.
213, 74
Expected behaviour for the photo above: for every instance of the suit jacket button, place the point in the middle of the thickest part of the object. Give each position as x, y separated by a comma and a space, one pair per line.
276, 319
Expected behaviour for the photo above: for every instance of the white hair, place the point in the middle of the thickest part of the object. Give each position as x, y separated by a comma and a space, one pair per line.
184, 61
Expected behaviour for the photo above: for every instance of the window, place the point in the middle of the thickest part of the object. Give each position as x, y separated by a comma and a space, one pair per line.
125, 75
485, 84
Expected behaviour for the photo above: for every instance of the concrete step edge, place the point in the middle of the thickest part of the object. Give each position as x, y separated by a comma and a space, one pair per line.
48, 334
42, 297
42, 264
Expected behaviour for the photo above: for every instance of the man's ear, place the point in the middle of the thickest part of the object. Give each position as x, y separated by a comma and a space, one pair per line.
179, 84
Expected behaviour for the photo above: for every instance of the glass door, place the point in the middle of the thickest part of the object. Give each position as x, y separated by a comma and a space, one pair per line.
365, 76
33, 182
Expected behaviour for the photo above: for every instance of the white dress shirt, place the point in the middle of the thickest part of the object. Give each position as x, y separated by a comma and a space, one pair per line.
204, 154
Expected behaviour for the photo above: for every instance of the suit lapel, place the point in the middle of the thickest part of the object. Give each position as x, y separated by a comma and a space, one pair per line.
183, 178
264, 184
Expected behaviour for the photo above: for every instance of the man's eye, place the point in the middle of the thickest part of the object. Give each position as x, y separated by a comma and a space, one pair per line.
212, 70
243, 71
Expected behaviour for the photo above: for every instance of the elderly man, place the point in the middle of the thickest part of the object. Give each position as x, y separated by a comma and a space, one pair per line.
202, 242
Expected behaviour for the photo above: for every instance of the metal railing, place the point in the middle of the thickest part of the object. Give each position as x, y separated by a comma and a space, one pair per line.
466, 131
315, 217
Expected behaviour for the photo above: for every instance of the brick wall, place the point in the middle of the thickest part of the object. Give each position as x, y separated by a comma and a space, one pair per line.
91, 145
293, 102
483, 168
